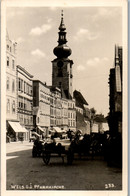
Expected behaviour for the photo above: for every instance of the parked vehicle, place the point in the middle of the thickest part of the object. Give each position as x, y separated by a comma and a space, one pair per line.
69, 145
57, 148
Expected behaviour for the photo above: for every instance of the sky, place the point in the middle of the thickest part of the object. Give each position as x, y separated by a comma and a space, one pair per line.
92, 33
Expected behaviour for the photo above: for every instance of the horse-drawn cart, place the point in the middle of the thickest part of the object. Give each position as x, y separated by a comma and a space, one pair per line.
67, 148
57, 148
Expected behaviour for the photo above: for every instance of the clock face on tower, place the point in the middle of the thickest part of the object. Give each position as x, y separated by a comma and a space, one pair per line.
60, 64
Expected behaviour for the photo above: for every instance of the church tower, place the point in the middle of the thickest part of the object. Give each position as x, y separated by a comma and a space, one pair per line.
62, 65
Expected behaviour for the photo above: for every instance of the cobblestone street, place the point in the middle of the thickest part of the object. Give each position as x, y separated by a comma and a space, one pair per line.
25, 172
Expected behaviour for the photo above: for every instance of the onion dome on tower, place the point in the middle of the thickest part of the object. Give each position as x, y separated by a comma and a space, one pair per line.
62, 50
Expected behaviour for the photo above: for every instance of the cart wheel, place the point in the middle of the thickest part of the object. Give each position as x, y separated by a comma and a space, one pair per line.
46, 158
70, 158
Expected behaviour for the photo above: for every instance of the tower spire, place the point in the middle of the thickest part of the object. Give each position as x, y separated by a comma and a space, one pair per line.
62, 50
62, 25
62, 76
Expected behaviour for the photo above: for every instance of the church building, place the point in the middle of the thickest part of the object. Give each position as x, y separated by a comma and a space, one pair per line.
62, 66
62, 76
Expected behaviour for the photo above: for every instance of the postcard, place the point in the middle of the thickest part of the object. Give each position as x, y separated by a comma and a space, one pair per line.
64, 104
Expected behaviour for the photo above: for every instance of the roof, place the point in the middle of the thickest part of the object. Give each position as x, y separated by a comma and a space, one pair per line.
44, 84
67, 94
80, 100
100, 118
19, 67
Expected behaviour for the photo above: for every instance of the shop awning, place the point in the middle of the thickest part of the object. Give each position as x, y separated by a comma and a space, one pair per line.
41, 129
36, 134
58, 130
17, 127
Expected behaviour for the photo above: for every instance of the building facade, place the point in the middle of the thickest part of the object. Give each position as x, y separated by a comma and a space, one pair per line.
41, 106
14, 131
115, 95
25, 99
52, 109
64, 123
11, 88
38, 106
71, 115
82, 113
55, 107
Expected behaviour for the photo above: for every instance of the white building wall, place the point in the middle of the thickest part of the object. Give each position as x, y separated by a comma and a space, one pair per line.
11, 88
44, 106
64, 113
25, 97
71, 114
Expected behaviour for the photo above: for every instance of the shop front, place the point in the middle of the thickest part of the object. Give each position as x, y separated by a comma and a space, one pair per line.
16, 132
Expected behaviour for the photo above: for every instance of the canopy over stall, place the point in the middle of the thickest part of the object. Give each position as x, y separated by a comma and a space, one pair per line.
41, 129
58, 130
17, 127
36, 134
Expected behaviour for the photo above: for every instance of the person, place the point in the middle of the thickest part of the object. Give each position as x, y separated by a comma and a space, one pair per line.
69, 133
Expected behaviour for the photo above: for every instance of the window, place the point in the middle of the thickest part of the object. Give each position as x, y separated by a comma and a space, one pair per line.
19, 104
62, 37
24, 87
13, 86
13, 64
10, 49
31, 105
31, 119
31, 91
14, 48
27, 89
25, 106
8, 105
21, 119
25, 121
7, 47
7, 61
19, 84
13, 107
7, 83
